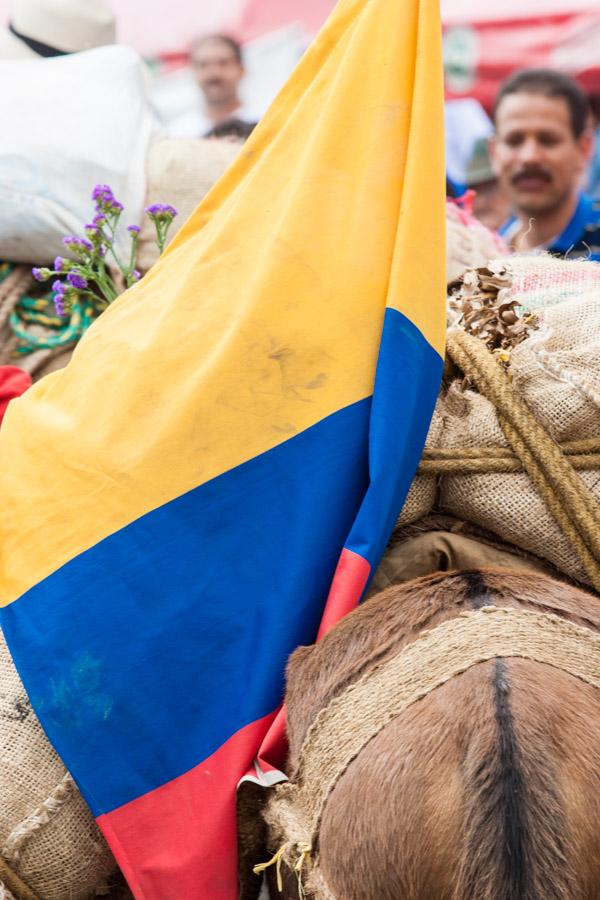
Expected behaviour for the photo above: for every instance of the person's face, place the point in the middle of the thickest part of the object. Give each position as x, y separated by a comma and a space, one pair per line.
217, 71
535, 154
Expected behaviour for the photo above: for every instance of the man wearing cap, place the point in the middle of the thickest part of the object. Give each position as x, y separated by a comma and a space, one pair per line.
490, 203
48, 28
540, 152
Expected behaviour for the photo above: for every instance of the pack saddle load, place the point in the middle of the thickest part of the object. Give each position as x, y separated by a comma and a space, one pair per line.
514, 445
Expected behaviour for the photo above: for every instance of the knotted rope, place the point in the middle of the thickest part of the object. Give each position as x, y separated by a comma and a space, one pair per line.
352, 720
550, 466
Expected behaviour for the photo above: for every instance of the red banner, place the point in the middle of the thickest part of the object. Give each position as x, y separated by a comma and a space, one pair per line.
478, 57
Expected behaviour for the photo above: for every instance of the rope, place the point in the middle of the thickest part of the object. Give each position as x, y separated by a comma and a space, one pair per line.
11, 290
19, 836
14, 883
342, 730
583, 455
19, 310
551, 471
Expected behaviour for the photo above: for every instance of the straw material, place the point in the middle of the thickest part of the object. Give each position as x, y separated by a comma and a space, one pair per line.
48, 837
344, 728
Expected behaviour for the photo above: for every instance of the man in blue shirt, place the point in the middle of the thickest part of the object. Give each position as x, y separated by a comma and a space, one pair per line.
540, 151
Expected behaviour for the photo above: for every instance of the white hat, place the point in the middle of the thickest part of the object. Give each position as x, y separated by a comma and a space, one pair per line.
40, 28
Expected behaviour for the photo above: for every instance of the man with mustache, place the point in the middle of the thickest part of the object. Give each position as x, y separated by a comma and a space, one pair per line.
540, 151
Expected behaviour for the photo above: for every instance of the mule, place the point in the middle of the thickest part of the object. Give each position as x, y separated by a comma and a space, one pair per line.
488, 788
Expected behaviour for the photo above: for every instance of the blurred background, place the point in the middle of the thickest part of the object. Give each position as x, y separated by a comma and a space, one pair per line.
484, 41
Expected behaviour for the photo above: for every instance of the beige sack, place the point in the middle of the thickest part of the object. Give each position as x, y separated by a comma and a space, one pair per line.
180, 172
556, 371
541, 281
47, 833
422, 495
468, 242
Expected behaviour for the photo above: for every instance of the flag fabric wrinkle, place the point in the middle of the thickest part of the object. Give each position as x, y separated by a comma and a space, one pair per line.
213, 478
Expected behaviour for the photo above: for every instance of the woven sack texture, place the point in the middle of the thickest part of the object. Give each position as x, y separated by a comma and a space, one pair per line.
180, 172
556, 371
65, 857
468, 242
421, 497
539, 281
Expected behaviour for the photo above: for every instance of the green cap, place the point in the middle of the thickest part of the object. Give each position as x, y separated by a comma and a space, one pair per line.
480, 169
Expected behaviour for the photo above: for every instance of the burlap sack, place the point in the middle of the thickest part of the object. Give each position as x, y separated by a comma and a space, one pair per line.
421, 497
557, 372
180, 172
541, 281
536, 281
47, 833
468, 242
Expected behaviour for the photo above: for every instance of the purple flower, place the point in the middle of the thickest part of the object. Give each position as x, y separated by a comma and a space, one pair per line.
101, 251
77, 244
106, 203
59, 304
136, 274
161, 211
99, 220
41, 274
77, 281
102, 193
59, 264
59, 288
92, 231
133, 229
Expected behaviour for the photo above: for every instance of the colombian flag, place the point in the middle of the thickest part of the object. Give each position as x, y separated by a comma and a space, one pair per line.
225, 455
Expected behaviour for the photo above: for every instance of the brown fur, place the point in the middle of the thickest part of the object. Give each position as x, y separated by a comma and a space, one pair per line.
489, 788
